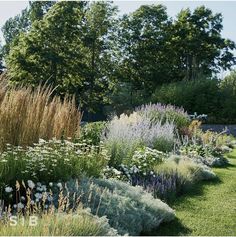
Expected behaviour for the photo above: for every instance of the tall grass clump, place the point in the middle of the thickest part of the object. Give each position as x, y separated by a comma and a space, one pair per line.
28, 114
159, 112
125, 134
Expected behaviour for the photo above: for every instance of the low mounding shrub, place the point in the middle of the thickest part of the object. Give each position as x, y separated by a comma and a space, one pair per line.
228, 98
190, 171
205, 147
129, 209
92, 132
204, 154
174, 176
126, 133
164, 177
28, 114
51, 161
165, 113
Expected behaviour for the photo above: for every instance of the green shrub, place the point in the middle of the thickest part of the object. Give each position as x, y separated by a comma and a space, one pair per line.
129, 209
204, 154
228, 98
201, 96
92, 132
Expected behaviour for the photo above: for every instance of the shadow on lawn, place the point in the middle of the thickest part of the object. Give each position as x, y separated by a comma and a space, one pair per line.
196, 190
175, 227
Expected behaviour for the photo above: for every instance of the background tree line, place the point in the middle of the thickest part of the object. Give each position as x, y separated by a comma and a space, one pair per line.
112, 62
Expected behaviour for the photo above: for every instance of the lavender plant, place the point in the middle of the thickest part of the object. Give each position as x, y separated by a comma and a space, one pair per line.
165, 113
163, 185
127, 133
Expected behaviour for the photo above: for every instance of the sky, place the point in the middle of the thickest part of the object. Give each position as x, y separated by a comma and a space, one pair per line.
227, 8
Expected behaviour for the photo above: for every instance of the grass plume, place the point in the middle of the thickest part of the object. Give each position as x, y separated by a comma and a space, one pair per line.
27, 114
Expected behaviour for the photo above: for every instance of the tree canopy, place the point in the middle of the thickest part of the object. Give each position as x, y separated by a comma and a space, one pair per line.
69, 49
157, 49
84, 48
22, 22
198, 44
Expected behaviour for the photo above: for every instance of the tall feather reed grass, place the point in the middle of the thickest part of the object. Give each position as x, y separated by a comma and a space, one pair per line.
27, 114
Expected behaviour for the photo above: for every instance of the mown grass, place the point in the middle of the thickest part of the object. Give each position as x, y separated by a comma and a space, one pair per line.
208, 209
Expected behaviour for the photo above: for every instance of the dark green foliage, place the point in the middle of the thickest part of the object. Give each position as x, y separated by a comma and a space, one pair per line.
1, 60
197, 44
23, 22
156, 50
13, 27
69, 49
92, 132
124, 98
228, 96
143, 47
37, 9
83, 49
201, 96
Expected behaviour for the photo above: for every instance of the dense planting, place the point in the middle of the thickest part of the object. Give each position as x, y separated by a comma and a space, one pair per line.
149, 81
119, 169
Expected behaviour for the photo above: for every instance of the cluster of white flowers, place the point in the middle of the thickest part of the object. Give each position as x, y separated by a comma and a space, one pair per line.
144, 159
8, 189
51, 158
39, 192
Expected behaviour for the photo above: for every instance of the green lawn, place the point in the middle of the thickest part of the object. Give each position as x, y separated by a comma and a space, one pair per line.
210, 209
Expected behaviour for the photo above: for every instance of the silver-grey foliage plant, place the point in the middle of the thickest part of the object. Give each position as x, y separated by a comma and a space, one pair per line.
125, 133
130, 210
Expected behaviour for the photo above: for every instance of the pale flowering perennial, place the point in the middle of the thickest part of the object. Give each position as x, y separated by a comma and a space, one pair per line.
36, 194
8, 189
165, 113
51, 161
31, 184
126, 133
135, 128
